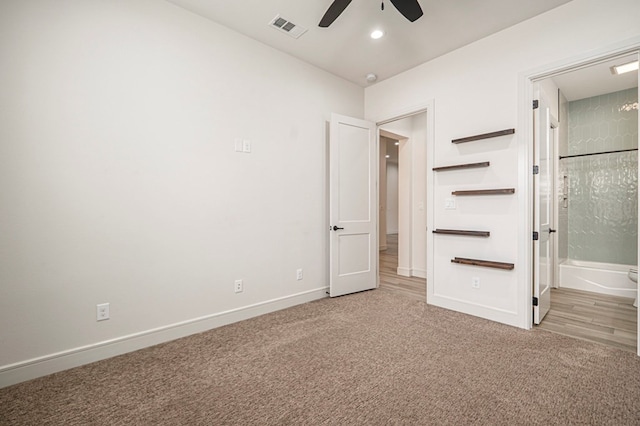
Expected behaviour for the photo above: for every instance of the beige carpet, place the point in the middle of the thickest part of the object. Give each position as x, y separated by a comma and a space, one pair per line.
370, 358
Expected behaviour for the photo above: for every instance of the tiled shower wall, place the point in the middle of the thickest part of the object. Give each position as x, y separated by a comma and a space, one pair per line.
602, 213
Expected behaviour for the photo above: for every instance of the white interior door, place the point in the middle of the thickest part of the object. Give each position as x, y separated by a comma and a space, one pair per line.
352, 205
542, 183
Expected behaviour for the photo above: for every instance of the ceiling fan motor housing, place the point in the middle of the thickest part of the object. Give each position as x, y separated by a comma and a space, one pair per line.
410, 9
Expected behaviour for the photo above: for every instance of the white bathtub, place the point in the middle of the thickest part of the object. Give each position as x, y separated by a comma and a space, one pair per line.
605, 278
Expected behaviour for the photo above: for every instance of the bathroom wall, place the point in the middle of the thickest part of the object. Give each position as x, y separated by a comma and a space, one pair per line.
603, 189
562, 202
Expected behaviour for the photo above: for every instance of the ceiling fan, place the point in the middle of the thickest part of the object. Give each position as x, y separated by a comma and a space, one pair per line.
410, 9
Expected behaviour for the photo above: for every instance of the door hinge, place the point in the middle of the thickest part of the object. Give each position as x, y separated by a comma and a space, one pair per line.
535, 104
535, 301
536, 170
535, 235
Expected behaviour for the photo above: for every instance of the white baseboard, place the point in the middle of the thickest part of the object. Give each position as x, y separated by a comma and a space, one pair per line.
49, 364
504, 316
420, 273
404, 272
411, 272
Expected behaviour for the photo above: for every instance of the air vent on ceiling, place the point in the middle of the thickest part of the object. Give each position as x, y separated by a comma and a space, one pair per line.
281, 24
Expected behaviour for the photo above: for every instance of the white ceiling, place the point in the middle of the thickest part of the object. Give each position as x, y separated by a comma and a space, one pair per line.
345, 48
596, 80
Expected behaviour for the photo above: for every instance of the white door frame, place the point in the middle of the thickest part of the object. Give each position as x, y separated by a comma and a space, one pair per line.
555, 242
555, 222
428, 108
544, 301
526, 82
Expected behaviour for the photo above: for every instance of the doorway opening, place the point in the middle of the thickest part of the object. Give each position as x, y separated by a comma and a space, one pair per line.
402, 205
593, 195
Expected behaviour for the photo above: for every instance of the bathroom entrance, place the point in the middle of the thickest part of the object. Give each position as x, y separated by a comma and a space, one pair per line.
594, 203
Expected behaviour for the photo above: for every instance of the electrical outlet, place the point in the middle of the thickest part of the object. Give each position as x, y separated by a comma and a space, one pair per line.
238, 286
299, 274
475, 282
246, 146
102, 312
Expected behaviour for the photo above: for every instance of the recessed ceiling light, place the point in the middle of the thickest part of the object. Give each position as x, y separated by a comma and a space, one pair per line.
621, 69
376, 34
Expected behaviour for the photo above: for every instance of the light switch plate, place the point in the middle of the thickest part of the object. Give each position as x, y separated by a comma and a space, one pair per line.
450, 203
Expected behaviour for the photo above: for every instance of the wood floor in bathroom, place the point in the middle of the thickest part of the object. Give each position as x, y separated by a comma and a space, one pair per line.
609, 320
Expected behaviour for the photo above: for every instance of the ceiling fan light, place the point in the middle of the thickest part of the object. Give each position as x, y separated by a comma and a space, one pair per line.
376, 34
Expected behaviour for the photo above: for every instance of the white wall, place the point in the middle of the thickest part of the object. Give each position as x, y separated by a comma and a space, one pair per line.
392, 197
119, 182
419, 193
549, 90
382, 194
476, 90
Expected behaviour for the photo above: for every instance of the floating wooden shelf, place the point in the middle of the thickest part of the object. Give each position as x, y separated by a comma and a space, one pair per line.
486, 192
484, 263
462, 166
460, 232
485, 136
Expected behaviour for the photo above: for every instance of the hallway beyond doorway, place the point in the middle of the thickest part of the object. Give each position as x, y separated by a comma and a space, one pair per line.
413, 287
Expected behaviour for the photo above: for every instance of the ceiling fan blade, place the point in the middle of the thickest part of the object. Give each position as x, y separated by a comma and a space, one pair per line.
336, 8
410, 9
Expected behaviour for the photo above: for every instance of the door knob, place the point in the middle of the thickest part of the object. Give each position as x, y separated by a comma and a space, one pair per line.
335, 228
551, 230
